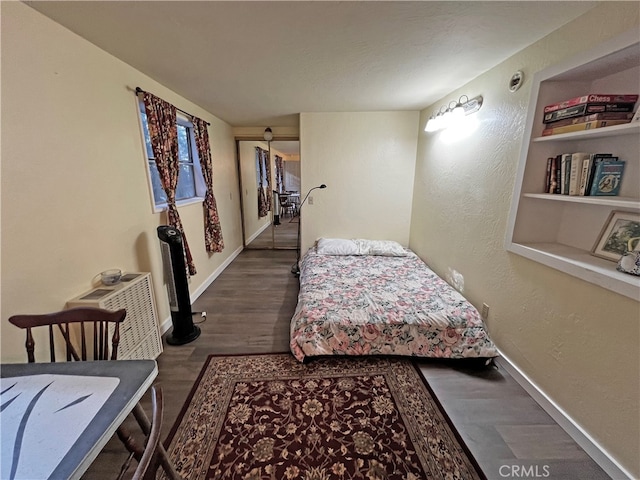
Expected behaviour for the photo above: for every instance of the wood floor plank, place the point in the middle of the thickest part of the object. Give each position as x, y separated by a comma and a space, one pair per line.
540, 441
283, 236
521, 410
505, 429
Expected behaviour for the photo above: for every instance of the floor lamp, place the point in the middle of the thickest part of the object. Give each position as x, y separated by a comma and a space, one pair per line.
295, 268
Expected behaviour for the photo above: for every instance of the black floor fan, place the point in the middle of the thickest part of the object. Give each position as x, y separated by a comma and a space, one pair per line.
184, 331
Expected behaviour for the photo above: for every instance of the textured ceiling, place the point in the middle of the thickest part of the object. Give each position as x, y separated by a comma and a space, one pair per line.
263, 63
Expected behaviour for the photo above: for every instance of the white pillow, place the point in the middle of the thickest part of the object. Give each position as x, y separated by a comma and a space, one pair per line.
337, 246
387, 248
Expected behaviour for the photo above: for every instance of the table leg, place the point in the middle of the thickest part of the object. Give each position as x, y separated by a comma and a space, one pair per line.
145, 425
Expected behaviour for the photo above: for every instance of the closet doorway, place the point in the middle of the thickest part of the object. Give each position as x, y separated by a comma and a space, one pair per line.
264, 167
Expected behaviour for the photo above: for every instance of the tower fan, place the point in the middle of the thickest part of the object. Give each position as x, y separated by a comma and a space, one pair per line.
175, 271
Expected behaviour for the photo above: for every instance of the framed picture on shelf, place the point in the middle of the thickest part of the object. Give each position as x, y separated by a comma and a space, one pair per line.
614, 237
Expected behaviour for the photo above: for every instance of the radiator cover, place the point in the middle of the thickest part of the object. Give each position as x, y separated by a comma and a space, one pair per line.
139, 333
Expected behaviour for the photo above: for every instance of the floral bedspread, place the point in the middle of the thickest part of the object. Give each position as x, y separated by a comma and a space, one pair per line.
378, 305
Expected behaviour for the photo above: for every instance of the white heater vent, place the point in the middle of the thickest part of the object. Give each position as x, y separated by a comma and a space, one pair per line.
139, 333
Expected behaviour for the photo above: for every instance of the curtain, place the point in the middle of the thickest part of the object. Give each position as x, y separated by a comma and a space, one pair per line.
262, 201
267, 165
279, 174
212, 229
163, 131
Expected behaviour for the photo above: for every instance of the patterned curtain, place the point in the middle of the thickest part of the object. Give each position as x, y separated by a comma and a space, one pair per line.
279, 174
262, 201
267, 166
161, 117
212, 229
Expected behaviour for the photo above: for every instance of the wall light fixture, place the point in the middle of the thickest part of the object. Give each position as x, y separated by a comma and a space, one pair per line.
449, 115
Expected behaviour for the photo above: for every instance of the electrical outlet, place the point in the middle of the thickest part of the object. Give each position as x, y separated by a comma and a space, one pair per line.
310, 200
485, 311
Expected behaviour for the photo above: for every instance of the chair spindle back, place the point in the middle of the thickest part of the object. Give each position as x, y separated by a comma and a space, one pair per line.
61, 322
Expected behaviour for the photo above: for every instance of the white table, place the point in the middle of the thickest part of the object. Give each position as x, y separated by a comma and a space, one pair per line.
56, 417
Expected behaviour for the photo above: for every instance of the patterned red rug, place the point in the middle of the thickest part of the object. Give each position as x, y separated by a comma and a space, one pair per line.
270, 417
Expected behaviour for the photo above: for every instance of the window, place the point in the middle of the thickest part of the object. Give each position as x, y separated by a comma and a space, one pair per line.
261, 169
190, 182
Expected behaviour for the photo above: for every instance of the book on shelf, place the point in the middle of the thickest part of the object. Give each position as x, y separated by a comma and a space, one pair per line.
587, 109
593, 163
592, 98
591, 118
547, 180
584, 175
558, 174
583, 126
552, 184
575, 176
565, 173
607, 178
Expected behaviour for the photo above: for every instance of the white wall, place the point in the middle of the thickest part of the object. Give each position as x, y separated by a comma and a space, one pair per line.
75, 199
576, 341
367, 161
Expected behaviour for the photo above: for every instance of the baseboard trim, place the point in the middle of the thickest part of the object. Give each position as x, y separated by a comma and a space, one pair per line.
166, 323
255, 235
216, 273
573, 429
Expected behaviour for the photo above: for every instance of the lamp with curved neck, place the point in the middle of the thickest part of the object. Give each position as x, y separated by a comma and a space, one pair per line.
295, 268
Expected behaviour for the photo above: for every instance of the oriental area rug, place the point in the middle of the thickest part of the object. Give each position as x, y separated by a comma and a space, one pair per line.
270, 417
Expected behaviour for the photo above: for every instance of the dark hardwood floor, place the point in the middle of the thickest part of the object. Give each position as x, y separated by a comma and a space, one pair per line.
248, 311
284, 236
507, 432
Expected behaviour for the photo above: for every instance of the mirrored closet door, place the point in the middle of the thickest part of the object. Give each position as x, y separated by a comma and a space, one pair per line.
270, 188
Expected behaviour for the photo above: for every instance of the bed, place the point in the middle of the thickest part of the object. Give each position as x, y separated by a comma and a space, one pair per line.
368, 297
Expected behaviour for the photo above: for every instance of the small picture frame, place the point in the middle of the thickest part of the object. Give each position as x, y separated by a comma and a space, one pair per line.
614, 237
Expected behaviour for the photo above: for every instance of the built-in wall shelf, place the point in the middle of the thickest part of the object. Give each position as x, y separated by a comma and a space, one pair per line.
620, 202
614, 131
581, 264
559, 231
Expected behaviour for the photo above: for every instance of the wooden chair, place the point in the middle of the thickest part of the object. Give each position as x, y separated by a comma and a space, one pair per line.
286, 205
86, 319
148, 463
98, 321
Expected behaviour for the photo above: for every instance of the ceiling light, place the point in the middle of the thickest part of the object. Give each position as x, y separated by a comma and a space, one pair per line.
268, 134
